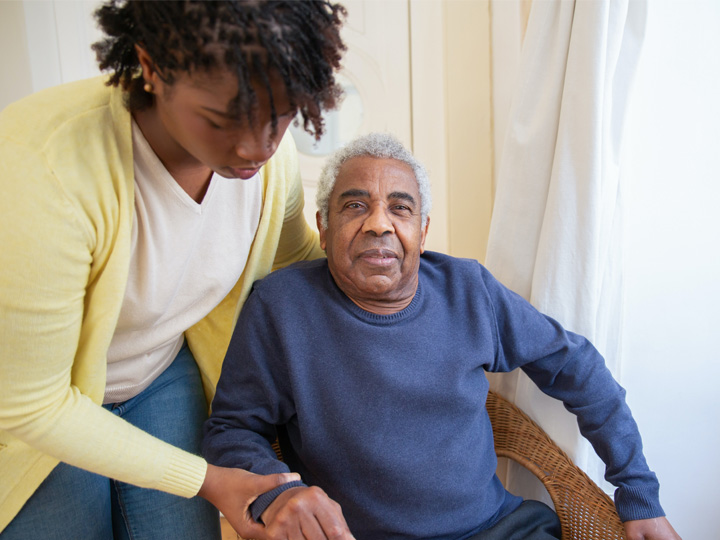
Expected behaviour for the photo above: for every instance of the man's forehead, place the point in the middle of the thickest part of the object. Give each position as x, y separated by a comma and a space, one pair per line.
355, 193
355, 174
368, 160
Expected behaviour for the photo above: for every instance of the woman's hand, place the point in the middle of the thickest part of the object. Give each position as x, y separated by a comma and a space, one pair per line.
233, 490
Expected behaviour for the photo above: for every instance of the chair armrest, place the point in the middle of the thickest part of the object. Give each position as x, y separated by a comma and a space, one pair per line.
585, 511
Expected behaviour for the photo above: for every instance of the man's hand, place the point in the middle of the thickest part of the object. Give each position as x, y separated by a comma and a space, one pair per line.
233, 490
305, 513
650, 529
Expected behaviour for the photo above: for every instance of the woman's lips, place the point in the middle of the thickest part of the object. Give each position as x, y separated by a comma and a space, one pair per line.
244, 174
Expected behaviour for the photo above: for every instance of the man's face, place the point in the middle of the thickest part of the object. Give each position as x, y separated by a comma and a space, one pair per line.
375, 236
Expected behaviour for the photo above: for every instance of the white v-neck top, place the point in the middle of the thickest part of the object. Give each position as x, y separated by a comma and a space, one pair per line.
186, 257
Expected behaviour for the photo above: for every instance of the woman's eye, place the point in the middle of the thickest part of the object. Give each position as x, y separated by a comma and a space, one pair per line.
214, 125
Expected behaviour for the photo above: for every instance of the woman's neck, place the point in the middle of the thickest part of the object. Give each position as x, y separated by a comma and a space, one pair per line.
191, 175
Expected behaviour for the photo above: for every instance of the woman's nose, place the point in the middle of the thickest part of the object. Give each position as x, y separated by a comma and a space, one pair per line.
256, 149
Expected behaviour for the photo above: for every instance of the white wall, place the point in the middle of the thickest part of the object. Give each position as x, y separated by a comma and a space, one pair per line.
671, 365
45, 43
14, 61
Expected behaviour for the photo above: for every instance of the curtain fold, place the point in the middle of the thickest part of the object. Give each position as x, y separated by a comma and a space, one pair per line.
556, 232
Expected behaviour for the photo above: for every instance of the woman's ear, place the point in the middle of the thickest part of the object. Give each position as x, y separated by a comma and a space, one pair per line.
149, 73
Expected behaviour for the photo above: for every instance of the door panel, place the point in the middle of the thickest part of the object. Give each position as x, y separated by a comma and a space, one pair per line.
376, 70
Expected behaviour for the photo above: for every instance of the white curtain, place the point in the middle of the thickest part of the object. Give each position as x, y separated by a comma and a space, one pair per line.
556, 232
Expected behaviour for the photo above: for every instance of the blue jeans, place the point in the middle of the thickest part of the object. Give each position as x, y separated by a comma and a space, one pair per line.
73, 503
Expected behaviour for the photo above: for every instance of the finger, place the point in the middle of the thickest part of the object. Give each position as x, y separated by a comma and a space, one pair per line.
332, 522
251, 529
287, 529
299, 534
311, 528
264, 483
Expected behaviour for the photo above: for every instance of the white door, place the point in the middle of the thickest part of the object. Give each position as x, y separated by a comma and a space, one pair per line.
376, 77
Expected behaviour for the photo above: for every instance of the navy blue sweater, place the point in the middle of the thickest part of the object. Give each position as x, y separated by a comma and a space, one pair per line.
387, 412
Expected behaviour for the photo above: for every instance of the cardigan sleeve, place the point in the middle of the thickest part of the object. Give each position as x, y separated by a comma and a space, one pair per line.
253, 396
298, 240
47, 282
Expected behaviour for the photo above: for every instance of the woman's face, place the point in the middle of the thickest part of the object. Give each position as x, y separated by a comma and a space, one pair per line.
199, 130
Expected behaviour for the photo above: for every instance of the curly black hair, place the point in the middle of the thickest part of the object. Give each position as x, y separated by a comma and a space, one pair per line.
299, 39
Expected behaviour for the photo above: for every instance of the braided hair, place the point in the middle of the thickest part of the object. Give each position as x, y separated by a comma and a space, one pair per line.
300, 40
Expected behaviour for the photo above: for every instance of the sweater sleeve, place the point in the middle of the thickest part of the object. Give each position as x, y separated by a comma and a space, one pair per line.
567, 367
46, 280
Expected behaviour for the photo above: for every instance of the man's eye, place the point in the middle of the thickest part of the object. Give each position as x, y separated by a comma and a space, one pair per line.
353, 205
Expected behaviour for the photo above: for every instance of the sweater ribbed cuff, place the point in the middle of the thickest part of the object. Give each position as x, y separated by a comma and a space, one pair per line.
638, 503
184, 475
260, 504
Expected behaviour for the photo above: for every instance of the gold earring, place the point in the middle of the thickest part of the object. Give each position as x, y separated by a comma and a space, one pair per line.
148, 87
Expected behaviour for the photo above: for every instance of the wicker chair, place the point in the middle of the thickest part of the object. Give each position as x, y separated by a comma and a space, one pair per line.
585, 511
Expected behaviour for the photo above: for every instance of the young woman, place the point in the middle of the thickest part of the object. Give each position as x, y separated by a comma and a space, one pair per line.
136, 213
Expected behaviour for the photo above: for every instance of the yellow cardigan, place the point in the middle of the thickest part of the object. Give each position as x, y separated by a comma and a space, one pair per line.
66, 213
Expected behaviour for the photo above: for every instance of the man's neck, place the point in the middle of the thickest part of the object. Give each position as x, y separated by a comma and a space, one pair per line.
382, 308
385, 305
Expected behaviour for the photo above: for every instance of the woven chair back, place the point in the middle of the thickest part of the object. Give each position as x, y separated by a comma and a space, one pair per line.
585, 511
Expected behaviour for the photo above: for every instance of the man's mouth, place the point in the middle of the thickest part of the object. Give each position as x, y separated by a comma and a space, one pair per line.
379, 257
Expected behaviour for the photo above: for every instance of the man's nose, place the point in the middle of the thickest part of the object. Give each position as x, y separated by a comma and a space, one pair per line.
378, 222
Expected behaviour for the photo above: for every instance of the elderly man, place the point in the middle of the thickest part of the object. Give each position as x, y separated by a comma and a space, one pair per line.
370, 369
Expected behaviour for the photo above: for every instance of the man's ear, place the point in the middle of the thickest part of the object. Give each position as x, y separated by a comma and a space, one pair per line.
321, 230
424, 234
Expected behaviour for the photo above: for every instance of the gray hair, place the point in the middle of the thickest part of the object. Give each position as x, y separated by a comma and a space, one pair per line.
378, 145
